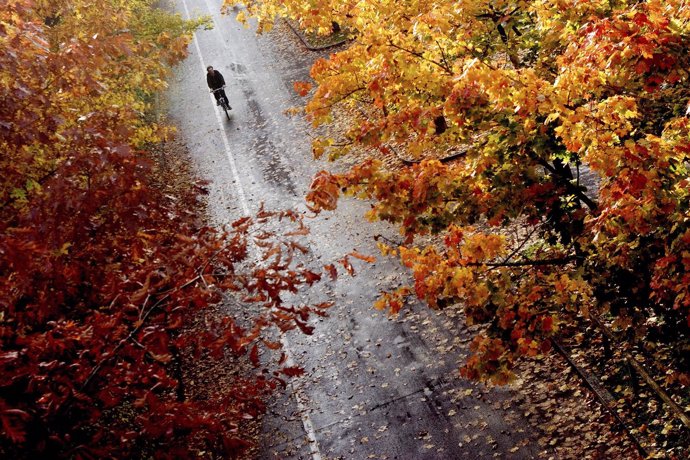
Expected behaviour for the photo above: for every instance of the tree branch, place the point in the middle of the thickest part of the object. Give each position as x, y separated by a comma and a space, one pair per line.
447, 69
443, 55
132, 333
345, 96
591, 204
525, 263
521, 245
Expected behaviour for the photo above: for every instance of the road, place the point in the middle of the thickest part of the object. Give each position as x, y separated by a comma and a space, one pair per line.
375, 387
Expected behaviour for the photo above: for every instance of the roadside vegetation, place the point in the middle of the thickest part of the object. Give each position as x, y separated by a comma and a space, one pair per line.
546, 147
112, 287
542, 196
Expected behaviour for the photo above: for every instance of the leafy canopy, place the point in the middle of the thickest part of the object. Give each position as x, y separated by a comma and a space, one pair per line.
522, 96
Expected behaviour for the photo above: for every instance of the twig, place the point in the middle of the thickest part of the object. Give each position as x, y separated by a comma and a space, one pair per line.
148, 353
443, 55
447, 69
510, 256
332, 104
143, 307
525, 263
121, 344
381, 237
131, 334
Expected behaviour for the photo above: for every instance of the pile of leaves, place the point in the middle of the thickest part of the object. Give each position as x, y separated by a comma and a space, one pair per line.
102, 270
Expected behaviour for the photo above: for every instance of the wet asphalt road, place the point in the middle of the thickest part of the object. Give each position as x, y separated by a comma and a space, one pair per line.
375, 387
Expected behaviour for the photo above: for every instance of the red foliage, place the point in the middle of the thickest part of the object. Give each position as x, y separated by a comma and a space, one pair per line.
102, 274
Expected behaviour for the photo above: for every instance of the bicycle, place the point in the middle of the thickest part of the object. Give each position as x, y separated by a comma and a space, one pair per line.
222, 102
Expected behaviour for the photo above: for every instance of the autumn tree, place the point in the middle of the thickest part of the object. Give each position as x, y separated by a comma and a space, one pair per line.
503, 106
103, 275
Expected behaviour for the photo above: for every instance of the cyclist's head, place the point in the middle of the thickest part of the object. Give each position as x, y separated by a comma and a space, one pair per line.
209, 69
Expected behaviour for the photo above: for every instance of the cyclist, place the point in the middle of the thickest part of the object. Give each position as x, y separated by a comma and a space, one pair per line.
215, 81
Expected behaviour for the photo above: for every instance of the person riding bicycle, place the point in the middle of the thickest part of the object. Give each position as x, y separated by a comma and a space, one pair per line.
216, 82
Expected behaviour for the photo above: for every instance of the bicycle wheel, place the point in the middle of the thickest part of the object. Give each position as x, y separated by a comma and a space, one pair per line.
226, 107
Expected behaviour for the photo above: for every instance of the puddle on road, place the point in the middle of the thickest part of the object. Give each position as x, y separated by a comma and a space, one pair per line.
274, 170
267, 155
237, 68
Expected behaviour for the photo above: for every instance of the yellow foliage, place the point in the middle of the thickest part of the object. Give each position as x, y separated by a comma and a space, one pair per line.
68, 64
523, 95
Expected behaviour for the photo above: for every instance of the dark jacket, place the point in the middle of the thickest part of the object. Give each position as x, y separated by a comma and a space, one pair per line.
215, 80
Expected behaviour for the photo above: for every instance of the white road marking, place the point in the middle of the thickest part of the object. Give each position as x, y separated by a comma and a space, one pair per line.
228, 153
302, 402
300, 399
